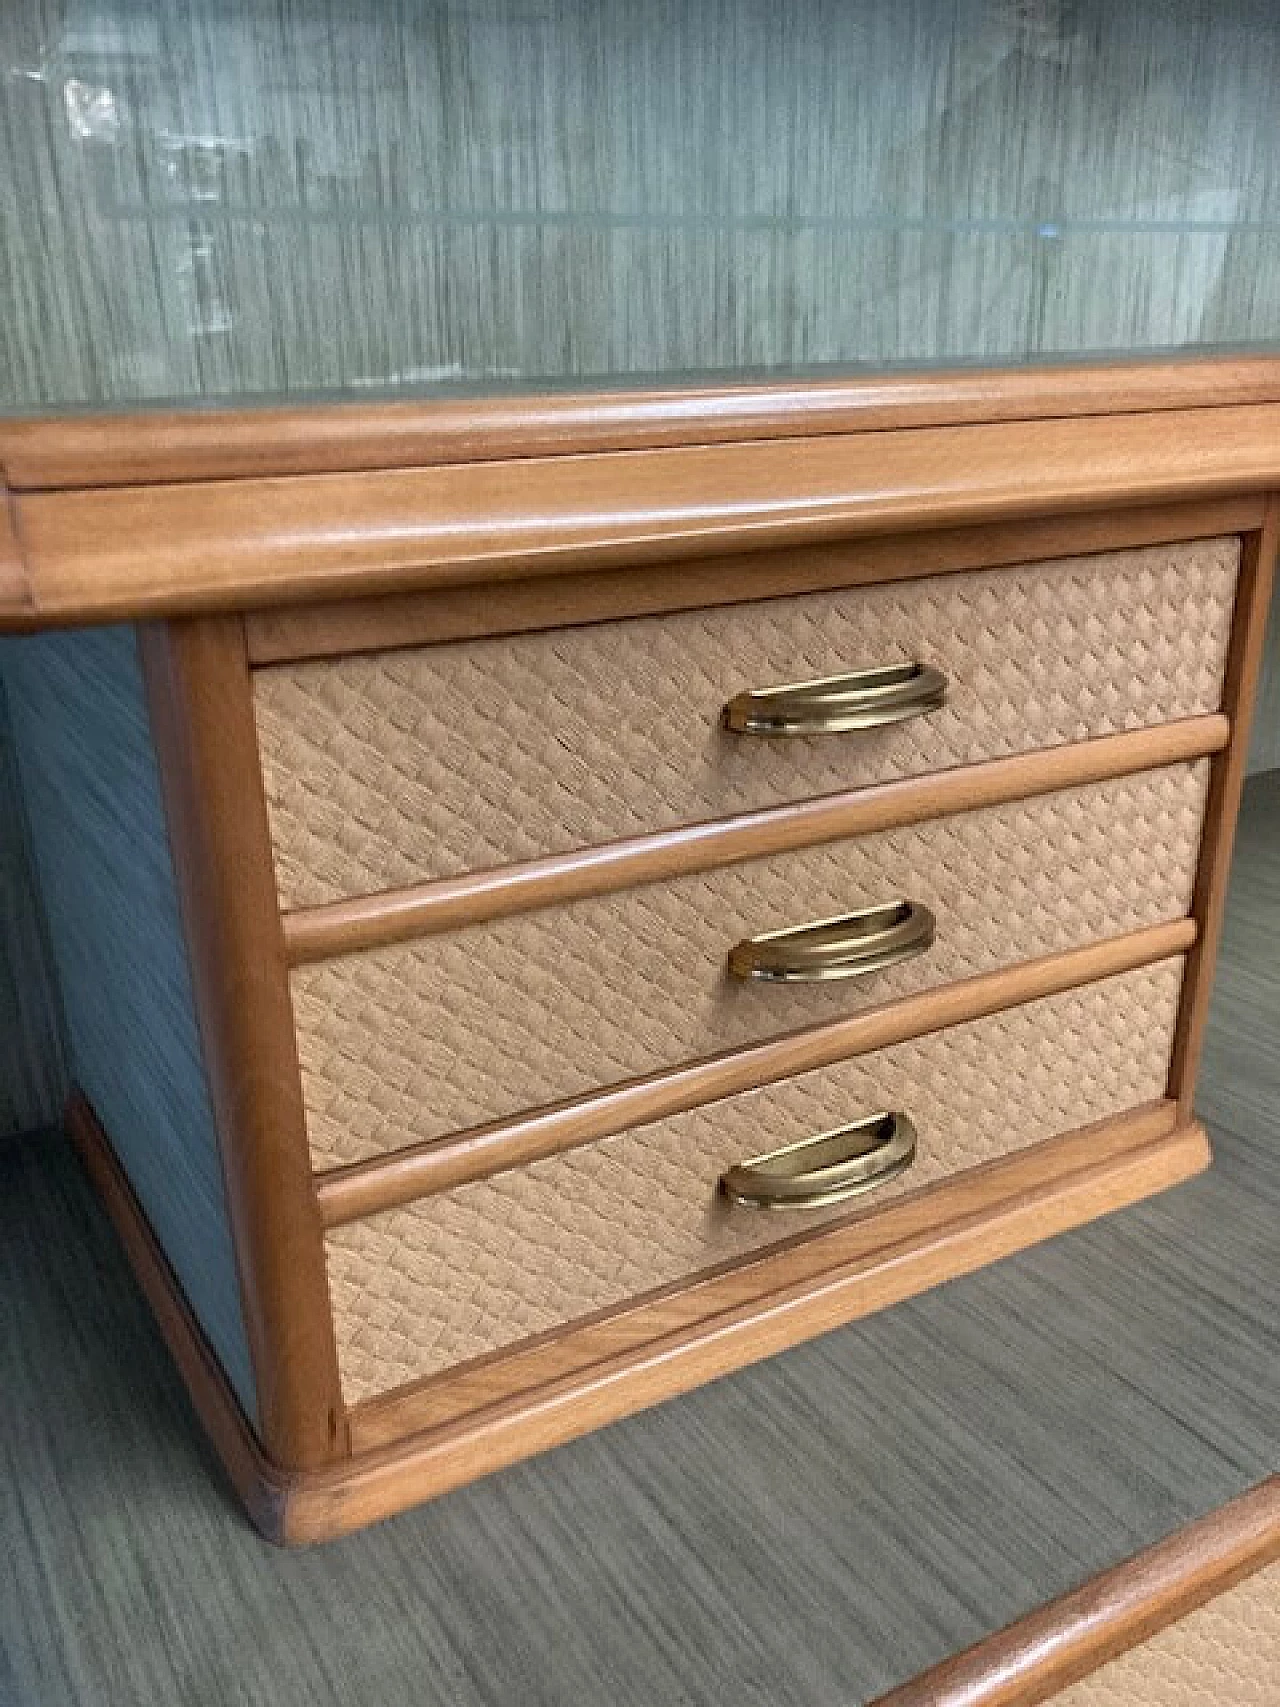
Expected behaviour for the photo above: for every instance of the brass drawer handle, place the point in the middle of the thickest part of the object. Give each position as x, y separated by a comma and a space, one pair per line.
827, 1168
831, 705
850, 946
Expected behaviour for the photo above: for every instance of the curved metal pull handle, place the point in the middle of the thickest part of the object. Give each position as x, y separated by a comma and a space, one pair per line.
831, 705
825, 1169
850, 946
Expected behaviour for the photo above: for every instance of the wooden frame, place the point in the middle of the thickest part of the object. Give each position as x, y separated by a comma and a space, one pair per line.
184, 445
1060, 1644
1244, 661
575, 509
202, 723
167, 526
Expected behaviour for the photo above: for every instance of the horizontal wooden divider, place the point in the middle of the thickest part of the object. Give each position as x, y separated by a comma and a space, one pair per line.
395, 915
364, 1188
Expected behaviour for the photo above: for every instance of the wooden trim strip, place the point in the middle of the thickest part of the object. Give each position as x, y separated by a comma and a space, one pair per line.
111, 553
198, 691
608, 1334
377, 1483
1244, 663
178, 445
394, 915
1044, 1653
14, 593
384, 1182
294, 632
260, 1484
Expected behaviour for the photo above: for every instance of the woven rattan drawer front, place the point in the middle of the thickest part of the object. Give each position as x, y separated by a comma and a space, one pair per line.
418, 1289
407, 1043
1226, 1653
388, 768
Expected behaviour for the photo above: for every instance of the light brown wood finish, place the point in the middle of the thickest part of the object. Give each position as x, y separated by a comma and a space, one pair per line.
257, 1482
202, 724
13, 580
107, 553
1059, 1644
364, 1188
370, 921
805, 1256
1244, 661
551, 601
160, 445
382, 1481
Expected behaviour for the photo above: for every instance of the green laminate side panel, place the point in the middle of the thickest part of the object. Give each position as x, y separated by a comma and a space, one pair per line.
254, 197
101, 855
33, 1074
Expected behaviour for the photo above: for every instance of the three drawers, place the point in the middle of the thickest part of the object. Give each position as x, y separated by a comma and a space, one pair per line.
404, 768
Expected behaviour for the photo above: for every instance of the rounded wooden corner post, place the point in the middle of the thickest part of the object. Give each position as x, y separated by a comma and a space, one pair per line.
201, 710
1240, 685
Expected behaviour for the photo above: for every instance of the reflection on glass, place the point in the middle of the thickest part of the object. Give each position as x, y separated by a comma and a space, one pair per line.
254, 197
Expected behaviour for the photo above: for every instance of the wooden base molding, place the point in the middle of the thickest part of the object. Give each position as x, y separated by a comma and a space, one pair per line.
1056, 1646
542, 1395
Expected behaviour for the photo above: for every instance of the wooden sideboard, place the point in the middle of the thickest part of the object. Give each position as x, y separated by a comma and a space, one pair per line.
456, 947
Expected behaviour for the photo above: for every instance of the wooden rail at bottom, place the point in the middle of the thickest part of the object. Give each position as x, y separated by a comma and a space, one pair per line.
948, 1230
1032, 1660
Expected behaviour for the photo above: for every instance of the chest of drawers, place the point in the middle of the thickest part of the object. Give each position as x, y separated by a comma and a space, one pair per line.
622, 911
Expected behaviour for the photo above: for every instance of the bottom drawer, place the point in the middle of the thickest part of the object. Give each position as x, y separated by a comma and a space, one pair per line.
452, 1277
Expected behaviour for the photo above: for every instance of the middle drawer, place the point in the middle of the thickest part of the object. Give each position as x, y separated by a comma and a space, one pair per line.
404, 1044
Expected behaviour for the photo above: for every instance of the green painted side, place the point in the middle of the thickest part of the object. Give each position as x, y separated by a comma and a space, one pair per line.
33, 1074
101, 857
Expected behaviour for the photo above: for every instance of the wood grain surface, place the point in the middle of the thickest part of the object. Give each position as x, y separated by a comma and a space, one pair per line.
197, 681
53, 452
817, 1529
94, 554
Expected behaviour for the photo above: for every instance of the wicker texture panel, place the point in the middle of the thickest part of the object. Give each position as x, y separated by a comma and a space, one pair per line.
452, 1277
388, 768
1227, 1653
407, 1043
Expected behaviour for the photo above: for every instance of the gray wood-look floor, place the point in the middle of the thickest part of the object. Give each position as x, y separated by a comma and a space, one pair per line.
810, 1531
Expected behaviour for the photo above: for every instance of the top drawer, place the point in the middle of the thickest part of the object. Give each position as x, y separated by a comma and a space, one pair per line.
388, 768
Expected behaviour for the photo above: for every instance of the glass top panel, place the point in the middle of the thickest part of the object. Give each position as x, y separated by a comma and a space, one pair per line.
288, 198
